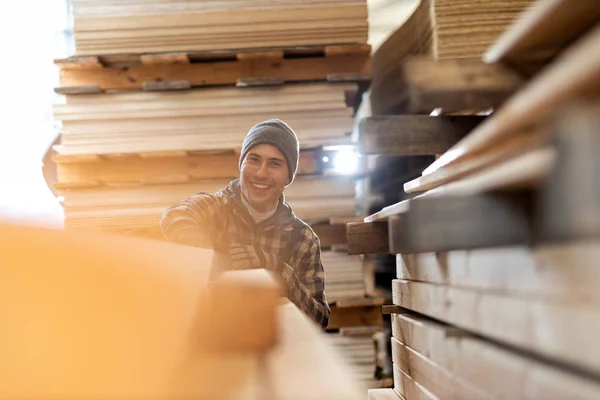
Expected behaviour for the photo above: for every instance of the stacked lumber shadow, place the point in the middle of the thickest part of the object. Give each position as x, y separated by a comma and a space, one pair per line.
496, 241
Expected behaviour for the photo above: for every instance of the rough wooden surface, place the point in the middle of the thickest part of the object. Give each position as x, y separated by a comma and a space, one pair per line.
542, 32
457, 85
368, 238
498, 371
409, 135
202, 69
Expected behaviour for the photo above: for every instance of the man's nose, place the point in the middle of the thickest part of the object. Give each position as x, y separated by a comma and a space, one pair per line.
262, 171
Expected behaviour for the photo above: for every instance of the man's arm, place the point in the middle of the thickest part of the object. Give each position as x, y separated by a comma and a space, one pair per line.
305, 285
191, 220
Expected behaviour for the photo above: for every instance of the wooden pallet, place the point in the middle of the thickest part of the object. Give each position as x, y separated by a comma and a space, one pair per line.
95, 170
185, 70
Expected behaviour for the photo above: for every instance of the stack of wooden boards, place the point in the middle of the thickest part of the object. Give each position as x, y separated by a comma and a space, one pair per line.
466, 28
444, 29
156, 106
497, 245
133, 26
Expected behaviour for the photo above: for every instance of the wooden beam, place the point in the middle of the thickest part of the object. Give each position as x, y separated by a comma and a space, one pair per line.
480, 362
569, 201
412, 135
367, 238
382, 394
462, 222
559, 272
533, 40
330, 234
544, 328
354, 316
457, 85
575, 74
435, 379
406, 387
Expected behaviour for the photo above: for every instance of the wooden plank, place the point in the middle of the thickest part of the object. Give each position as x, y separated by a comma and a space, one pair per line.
501, 372
574, 74
462, 222
435, 379
166, 86
388, 88
161, 167
503, 153
330, 234
389, 211
542, 32
544, 328
165, 58
458, 85
388, 310
407, 388
382, 394
569, 207
360, 331
364, 302
557, 272
367, 238
413, 135
354, 316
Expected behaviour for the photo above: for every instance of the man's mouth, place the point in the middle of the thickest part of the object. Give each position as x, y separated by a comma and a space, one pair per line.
260, 186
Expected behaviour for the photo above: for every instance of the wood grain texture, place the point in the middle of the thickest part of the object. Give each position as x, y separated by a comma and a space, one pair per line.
574, 74
545, 328
414, 37
462, 222
199, 119
354, 316
344, 277
368, 238
457, 85
466, 28
173, 26
431, 376
500, 372
409, 135
542, 32
158, 168
558, 272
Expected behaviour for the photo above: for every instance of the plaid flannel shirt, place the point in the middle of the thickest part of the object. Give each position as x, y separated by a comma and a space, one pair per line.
222, 216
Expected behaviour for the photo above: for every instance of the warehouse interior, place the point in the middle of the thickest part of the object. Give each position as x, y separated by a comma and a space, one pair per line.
300, 199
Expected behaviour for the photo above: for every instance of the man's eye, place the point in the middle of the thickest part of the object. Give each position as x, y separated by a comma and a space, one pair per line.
276, 164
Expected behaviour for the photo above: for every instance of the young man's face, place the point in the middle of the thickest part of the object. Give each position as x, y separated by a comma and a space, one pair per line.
264, 175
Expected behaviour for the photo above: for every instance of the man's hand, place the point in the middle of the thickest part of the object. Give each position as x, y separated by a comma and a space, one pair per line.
251, 257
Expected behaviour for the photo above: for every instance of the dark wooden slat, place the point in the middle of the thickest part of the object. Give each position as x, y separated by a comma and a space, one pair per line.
367, 238
462, 222
569, 206
355, 316
330, 234
458, 85
412, 135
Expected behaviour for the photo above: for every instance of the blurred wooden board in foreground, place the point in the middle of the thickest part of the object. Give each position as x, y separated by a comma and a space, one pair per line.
96, 316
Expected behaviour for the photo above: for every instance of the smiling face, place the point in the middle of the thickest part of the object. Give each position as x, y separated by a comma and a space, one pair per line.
264, 175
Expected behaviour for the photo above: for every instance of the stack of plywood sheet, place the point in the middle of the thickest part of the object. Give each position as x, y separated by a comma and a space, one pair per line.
200, 119
133, 26
466, 28
345, 276
139, 206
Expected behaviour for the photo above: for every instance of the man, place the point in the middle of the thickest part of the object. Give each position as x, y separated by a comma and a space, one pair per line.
252, 222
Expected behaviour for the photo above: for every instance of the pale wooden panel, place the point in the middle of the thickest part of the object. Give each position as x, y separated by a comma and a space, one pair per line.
500, 372
565, 330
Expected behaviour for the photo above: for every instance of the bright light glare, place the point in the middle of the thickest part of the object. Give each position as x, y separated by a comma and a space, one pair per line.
345, 162
325, 159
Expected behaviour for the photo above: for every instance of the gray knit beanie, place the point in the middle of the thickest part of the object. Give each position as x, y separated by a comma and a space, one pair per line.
277, 133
